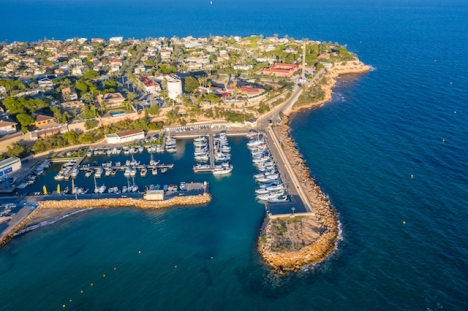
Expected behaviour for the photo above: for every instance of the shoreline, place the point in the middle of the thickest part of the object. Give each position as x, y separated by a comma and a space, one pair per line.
332, 74
277, 234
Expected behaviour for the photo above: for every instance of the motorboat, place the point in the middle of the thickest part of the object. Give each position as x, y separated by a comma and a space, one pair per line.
222, 169
143, 172
202, 158
278, 199
154, 171
89, 173
270, 195
183, 186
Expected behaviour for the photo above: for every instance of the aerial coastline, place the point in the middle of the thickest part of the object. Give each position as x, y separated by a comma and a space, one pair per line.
162, 83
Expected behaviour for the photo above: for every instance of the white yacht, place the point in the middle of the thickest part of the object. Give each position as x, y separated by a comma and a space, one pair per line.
225, 168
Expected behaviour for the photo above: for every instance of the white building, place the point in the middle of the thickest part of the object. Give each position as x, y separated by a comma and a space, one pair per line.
174, 87
9, 166
116, 39
125, 137
7, 127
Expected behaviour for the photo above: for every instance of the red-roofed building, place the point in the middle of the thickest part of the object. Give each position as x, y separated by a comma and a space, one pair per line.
149, 85
282, 70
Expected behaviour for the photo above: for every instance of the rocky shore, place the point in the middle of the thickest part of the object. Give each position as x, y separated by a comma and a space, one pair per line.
351, 67
104, 203
318, 231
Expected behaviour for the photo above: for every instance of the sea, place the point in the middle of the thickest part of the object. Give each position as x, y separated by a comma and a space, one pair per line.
390, 150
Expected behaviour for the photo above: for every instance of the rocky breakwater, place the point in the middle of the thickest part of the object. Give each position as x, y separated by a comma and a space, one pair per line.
20, 226
293, 242
127, 202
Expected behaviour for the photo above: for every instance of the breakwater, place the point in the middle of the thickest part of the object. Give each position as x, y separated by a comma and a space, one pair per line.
20, 226
105, 203
127, 202
319, 229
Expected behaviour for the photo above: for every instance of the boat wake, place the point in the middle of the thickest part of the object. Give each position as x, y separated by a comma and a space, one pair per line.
49, 222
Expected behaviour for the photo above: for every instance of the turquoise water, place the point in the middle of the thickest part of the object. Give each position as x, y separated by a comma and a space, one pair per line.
381, 128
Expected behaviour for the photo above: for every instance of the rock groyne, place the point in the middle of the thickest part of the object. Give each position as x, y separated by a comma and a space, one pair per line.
318, 230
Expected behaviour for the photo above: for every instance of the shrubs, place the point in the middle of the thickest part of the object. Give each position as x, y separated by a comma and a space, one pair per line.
90, 124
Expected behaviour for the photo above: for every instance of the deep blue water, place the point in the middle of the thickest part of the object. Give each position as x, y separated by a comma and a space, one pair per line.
380, 128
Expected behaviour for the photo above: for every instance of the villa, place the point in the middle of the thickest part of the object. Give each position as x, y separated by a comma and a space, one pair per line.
282, 70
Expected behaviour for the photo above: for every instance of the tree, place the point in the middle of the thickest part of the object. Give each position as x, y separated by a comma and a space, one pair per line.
90, 124
87, 97
71, 137
150, 63
90, 74
17, 150
165, 68
190, 84
153, 110
81, 86
24, 119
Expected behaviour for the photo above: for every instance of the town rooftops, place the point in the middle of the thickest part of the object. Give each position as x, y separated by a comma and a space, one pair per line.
129, 133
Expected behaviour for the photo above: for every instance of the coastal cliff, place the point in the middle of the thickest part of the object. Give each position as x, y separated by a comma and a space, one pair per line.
292, 242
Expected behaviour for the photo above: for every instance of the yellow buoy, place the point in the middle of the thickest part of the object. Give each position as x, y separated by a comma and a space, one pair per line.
404, 222
81, 291
71, 300
103, 275
115, 269
63, 306
412, 176
91, 284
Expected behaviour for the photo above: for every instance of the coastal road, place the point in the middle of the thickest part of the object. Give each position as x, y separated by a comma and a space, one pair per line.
263, 121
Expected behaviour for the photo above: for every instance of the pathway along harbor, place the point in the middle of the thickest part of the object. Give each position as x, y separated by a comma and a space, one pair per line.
300, 229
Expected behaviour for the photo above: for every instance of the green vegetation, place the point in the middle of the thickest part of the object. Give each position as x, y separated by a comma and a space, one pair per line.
91, 74
165, 68
23, 105
311, 95
153, 110
17, 150
190, 84
12, 86
90, 124
263, 108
